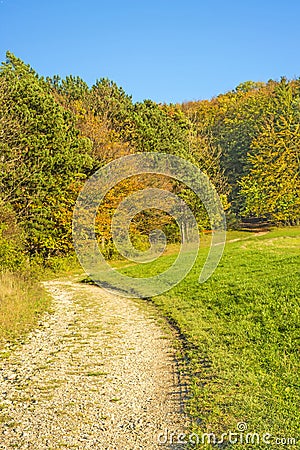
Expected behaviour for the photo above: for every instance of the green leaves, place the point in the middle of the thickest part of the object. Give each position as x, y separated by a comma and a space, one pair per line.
41, 154
55, 132
271, 189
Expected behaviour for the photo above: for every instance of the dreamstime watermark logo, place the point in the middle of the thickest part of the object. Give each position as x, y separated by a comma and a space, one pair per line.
106, 178
240, 436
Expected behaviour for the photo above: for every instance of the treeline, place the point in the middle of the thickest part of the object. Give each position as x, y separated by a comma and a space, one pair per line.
54, 133
256, 128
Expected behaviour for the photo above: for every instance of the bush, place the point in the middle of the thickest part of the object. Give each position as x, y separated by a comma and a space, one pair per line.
11, 239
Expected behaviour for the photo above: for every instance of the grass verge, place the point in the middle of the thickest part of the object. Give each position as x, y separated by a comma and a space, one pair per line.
242, 337
22, 300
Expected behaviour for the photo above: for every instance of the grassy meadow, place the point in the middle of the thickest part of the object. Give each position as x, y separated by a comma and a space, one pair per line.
241, 334
240, 329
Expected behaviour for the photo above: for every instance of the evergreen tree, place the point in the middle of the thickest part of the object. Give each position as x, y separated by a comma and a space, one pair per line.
42, 158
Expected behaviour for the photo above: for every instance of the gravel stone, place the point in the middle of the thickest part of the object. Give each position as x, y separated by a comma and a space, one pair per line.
98, 372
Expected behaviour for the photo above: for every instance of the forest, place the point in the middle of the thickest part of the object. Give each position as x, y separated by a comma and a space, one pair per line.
54, 133
240, 329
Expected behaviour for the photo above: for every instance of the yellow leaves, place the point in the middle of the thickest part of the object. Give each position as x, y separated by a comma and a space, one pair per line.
272, 186
225, 202
78, 109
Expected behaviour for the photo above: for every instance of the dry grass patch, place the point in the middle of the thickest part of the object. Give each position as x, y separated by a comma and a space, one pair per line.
22, 300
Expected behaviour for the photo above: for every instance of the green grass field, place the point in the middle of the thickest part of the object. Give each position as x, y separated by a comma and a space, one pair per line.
242, 337
240, 331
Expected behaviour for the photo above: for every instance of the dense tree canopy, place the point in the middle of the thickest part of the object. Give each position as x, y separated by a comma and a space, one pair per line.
42, 158
256, 129
55, 132
271, 187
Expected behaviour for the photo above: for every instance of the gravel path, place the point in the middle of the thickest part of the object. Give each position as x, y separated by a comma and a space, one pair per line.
97, 373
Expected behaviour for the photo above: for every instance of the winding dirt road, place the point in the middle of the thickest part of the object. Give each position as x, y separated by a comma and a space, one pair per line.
98, 373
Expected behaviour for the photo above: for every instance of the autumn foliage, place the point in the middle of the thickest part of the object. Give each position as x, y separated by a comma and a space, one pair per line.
54, 133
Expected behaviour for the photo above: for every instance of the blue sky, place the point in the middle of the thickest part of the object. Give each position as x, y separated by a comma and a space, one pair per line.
167, 50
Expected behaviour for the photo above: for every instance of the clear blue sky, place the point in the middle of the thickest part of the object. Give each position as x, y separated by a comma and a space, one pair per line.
166, 50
